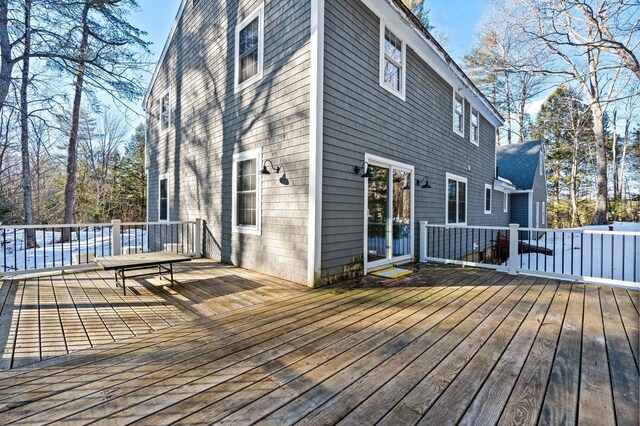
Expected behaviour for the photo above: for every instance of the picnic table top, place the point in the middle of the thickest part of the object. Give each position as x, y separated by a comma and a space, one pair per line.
139, 260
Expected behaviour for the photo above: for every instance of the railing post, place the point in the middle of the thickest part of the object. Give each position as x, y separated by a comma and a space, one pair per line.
197, 240
513, 248
423, 240
116, 246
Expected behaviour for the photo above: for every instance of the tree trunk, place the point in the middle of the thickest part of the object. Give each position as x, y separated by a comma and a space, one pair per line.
508, 101
6, 62
573, 184
27, 196
602, 191
522, 110
556, 197
72, 165
614, 156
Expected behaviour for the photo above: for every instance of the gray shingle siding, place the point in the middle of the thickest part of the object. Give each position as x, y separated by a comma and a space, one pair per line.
210, 123
361, 117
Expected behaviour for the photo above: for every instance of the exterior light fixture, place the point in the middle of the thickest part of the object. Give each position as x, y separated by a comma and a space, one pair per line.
423, 183
265, 170
367, 173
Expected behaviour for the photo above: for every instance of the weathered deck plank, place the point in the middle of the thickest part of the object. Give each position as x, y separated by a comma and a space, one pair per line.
445, 345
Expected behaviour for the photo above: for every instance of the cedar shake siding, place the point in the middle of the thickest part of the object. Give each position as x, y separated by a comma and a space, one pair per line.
210, 122
362, 117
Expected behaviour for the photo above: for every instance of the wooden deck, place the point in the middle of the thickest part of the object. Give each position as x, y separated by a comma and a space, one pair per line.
443, 346
49, 316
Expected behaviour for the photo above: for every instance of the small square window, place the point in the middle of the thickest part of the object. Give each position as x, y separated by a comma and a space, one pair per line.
474, 129
487, 198
249, 49
458, 114
392, 62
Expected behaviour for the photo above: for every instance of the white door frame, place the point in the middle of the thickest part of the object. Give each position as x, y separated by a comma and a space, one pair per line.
385, 162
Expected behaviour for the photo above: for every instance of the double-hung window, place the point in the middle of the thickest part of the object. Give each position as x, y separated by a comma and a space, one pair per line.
505, 203
458, 113
246, 192
163, 198
165, 112
249, 49
392, 62
456, 199
474, 129
487, 198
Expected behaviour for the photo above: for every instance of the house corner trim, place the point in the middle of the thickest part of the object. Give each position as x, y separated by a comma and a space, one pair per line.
315, 142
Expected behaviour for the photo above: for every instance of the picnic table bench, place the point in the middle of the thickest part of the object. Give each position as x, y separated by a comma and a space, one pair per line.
137, 262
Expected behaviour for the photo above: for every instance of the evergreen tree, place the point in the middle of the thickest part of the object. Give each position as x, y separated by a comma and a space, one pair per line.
420, 11
130, 193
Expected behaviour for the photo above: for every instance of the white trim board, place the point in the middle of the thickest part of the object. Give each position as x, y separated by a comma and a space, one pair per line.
160, 179
316, 97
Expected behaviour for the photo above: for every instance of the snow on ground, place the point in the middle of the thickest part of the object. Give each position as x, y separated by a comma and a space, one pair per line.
51, 253
597, 255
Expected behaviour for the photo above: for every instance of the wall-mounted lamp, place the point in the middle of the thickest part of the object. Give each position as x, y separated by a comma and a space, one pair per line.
277, 169
423, 183
367, 173
265, 170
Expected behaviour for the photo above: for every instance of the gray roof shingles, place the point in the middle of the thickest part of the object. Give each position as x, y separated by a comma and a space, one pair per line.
519, 163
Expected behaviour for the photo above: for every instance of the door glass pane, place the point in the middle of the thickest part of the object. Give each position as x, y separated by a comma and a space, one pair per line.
378, 213
401, 213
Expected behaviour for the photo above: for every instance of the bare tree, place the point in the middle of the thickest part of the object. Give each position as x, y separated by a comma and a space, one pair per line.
574, 43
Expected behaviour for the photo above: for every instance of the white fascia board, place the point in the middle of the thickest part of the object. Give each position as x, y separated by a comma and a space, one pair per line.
398, 22
164, 52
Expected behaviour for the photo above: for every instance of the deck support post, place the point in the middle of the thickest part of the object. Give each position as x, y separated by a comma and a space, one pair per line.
513, 248
197, 239
116, 246
423, 240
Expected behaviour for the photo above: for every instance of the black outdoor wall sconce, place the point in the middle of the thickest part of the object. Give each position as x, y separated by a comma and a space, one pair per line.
367, 173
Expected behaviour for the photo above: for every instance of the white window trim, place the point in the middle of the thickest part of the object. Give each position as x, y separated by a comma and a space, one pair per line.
484, 198
258, 12
242, 156
505, 202
160, 179
402, 94
453, 116
162, 95
544, 213
451, 176
477, 114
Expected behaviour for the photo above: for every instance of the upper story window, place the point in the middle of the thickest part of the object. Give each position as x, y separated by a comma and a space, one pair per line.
165, 112
249, 49
474, 129
392, 62
487, 198
456, 199
458, 113
246, 192
163, 197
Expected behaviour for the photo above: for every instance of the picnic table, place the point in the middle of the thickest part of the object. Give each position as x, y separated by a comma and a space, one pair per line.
137, 262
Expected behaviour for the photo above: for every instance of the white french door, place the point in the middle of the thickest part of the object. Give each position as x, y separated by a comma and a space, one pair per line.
389, 205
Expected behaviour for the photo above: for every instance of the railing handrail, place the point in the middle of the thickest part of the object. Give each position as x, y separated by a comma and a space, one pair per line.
88, 225
506, 228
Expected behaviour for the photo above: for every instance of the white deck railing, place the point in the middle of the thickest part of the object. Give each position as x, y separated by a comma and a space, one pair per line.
591, 256
40, 248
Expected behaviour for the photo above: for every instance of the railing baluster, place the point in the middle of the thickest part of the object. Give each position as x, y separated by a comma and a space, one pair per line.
582, 254
623, 263
562, 252
571, 252
612, 253
601, 255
